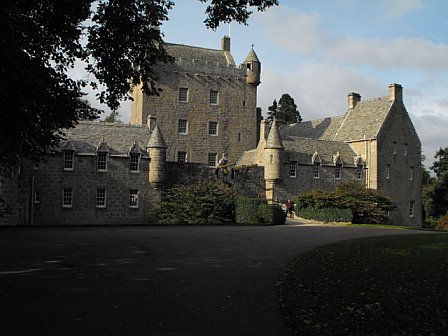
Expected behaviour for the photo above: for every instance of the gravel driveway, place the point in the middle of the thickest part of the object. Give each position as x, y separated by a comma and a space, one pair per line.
205, 280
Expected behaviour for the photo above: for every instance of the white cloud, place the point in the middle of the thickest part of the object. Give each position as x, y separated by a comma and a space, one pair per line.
397, 8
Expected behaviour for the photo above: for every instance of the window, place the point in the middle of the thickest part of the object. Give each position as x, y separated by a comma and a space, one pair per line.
183, 95
387, 172
214, 95
133, 198
67, 198
36, 166
411, 174
182, 157
359, 173
293, 169
411, 208
37, 197
212, 159
102, 161
338, 172
316, 170
68, 160
213, 128
183, 126
271, 158
133, 162
239, 137
101, 198
405, 149
394, 148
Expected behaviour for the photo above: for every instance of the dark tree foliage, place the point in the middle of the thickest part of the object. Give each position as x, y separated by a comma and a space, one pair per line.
285, 110
119, 40
435, 192
113, 117
440, 166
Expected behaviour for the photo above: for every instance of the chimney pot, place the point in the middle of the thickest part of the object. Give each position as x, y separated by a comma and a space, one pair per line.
353, 99
225, 43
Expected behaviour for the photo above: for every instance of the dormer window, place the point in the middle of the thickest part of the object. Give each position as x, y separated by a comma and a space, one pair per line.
102, 161
69, 160
133, 162
338, 172
316, 170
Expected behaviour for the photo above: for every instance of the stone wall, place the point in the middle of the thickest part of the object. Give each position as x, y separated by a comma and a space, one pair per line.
12, 210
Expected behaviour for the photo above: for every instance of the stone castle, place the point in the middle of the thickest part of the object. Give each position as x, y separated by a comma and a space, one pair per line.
205, 126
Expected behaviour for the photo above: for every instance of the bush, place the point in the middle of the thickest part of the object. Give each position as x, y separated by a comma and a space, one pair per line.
246, 210
271, 214
430, 222
201, 203
326, 214
367, 205
442, 223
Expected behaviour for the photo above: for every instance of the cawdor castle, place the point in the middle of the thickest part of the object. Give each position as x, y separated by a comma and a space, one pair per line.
205, 126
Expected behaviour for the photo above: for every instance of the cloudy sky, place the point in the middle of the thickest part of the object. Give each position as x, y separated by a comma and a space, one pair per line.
320, 50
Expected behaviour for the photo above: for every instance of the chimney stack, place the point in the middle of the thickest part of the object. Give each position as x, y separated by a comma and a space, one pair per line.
353, 99
225, 43
395, 92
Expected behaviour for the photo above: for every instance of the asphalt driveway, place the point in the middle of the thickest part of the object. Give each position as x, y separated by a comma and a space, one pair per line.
152, 280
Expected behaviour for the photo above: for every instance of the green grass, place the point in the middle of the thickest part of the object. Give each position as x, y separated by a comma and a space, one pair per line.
389, 285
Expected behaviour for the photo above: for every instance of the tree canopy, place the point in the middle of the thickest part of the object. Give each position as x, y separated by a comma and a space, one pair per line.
285, 110
435, 192
120, 41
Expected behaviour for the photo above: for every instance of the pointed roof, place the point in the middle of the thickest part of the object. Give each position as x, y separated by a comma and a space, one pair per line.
274, 140
252, 56
156, 139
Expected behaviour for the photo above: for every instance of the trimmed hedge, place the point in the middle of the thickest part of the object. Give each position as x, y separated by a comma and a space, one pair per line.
271, 214
326, 214
249, 210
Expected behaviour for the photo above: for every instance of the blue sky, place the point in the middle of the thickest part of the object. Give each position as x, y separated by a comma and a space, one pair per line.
320, 50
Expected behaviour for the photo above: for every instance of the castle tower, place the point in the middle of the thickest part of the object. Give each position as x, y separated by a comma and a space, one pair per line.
253, 66
157, 152
273, 152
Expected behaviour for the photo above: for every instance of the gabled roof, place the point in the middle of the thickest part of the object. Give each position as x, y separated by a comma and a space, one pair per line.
324, 129
87, 135
190, 53
365, 120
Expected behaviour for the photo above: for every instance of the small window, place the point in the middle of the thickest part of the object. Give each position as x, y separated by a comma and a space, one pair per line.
338, 172
67, 198
102, 161
244, 103
239, 137
183, 95
271, 158
394, 148
249, 66
212, 159
213, 128
316, 170
133, 198
405, 149
214, 96
387, 172
293, 169
411, 208
183, 126
68, 160
36, 166
134, 159
411, 174
37, 197
359, 171
181, 157
101, 198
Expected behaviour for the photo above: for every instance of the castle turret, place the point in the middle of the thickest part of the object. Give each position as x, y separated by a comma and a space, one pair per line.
253, 66
157, 152
273, 152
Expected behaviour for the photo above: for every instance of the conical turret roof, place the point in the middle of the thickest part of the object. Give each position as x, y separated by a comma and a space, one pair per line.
274, 140
252, 56
156, 139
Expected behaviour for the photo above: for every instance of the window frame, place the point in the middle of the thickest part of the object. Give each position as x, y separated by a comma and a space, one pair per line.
209, 161
214, 97
134, 165
37, 197
100, 197
338, 172
411, 208
316, 169
182, 129
98, 162
69, 163
183, 95
67, 197
210, 128
133, 199
292, 169
359, 173
184, 155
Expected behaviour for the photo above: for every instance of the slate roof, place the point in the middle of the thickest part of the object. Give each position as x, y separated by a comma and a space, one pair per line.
302, 150
324, 129
120, 139
248, 158
181, 51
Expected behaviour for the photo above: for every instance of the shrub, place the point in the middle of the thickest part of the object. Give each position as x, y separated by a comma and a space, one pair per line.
201, 203
442, 223
326, 214
430, 222
246, 210
271, 214
367, 205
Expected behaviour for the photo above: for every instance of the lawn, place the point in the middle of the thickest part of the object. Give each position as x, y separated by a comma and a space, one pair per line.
389, 285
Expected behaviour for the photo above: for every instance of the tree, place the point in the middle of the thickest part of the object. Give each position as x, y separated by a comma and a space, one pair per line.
285, 110
118, 40
113, 117
440, 166
435, 192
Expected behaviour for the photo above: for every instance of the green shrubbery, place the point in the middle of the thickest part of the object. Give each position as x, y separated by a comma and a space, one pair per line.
368, 206
326, 214
442, 223
212, 203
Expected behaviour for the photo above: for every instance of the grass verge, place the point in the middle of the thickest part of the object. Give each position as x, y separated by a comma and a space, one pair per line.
389, 285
